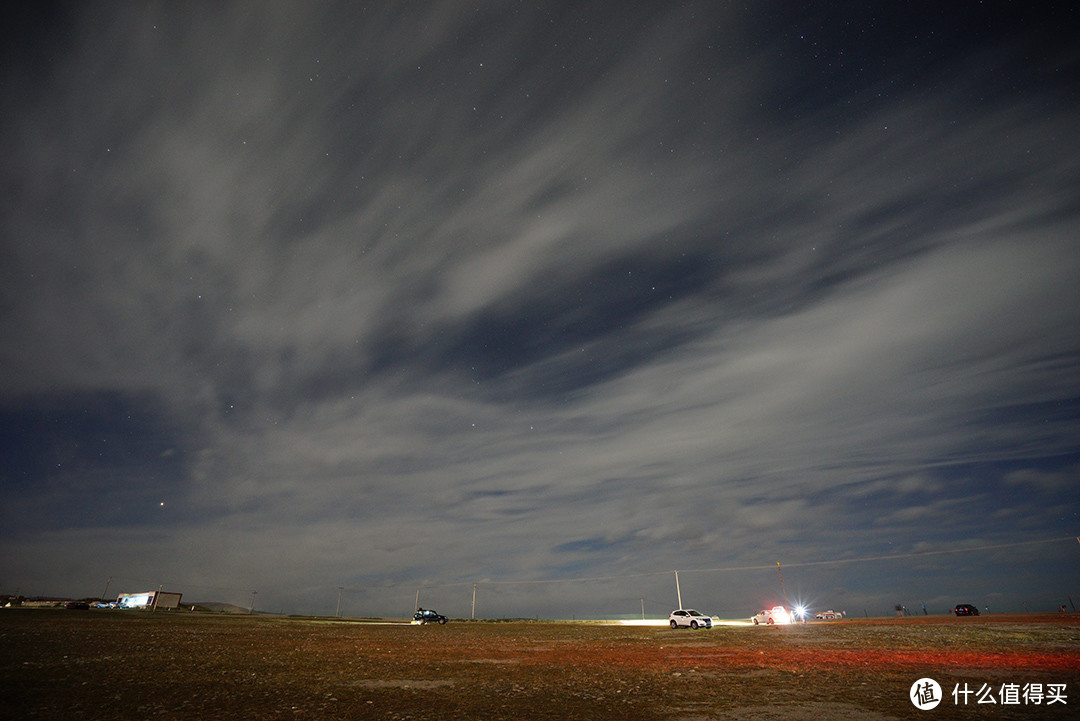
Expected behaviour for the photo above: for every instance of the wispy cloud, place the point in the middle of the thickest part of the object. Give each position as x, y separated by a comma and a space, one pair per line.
426, 296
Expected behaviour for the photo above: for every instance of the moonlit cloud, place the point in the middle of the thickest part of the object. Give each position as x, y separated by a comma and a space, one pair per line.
424, 296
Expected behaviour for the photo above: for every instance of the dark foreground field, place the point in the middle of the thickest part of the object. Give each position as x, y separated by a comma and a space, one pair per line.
60, 664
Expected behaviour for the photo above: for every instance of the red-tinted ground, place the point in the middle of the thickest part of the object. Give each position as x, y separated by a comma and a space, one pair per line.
108, 664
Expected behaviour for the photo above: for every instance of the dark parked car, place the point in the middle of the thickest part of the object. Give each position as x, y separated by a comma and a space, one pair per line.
966, 609
426, 615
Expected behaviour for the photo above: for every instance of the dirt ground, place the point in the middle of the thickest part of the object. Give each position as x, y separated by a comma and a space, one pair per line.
64, 664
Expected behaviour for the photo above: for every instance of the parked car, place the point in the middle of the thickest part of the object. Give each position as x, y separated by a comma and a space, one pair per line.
426, 615
775, 615
77, 605
690, 618
829, 615
966, 609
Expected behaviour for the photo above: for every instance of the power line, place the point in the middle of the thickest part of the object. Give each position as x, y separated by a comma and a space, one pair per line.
804, 564
616, 577
178, 584
864, 559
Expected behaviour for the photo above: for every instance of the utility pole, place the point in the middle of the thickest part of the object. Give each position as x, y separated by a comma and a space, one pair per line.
782, 589
473, 616
339, 590
678, 591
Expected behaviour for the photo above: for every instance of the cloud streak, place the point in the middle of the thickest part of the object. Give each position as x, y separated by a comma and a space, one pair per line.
425, 296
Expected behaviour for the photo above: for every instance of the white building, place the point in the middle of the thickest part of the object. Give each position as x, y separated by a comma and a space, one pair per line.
149, 599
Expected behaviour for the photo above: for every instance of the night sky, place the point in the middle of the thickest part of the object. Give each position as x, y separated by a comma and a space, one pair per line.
300, 296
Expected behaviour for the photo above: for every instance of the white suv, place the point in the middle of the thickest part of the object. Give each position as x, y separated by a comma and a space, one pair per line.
689, 617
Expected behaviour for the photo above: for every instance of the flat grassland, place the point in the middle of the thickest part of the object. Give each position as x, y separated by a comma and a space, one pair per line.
63, 664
